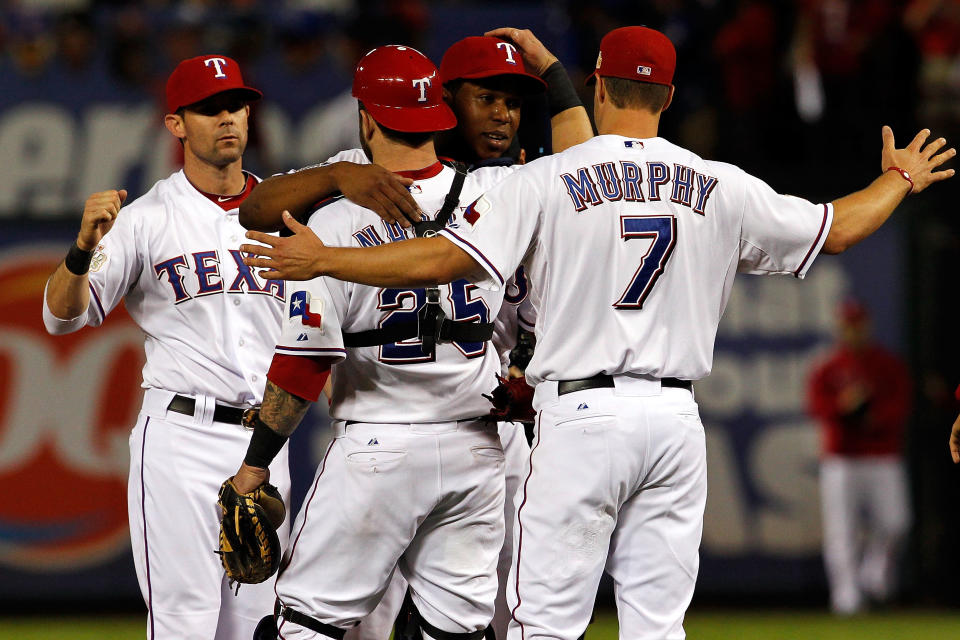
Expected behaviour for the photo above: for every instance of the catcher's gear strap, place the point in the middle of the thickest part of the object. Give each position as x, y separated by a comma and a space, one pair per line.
432, 326
265, 443
409, 624
440, 634
429, 228
313, 624
448, 331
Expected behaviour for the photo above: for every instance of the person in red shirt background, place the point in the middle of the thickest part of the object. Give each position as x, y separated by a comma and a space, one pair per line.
861, 397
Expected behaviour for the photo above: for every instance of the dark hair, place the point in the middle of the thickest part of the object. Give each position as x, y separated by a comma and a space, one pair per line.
453, 86
408, 138
632, 94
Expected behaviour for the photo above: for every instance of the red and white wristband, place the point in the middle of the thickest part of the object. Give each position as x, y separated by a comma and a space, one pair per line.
905, 175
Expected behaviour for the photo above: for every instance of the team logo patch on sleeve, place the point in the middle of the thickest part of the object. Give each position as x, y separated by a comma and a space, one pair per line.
310, 311
99, 259
477, 210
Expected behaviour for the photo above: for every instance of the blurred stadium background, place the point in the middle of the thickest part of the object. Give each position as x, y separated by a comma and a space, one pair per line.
793, 91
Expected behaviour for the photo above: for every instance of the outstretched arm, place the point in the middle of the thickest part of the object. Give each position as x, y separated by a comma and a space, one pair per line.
369, 185
412, 263
569, 122
861, 213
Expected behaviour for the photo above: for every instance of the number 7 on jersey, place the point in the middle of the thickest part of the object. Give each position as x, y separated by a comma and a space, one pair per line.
663, 231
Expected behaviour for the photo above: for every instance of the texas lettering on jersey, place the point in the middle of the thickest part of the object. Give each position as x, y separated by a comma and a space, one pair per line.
205, 269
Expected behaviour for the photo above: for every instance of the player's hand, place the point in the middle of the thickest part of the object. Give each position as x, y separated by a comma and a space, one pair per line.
955, 441
373, 187
249, 478
99, 213
919, 158
290, 258
535, 56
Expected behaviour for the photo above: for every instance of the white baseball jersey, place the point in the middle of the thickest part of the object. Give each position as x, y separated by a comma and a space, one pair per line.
395, 382
210, 324
518, 310
633, 246
209, 321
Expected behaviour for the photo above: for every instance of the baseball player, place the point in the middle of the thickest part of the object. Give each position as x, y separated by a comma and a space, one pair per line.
173, 256
860, 394
632, 244
485, 80
413, 480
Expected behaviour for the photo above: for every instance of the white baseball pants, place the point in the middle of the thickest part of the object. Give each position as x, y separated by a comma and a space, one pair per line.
177, 463
426, 499
866, 516
379, 624
617, 481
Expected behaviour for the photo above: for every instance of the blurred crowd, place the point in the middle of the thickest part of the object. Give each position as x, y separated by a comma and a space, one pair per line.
766, 84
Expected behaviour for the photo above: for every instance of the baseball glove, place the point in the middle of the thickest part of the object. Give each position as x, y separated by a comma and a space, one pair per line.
512, 400
249, 545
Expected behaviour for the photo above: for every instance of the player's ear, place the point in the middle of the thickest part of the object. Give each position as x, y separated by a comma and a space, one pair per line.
669, 99
599, 91
368, 125
174, 124
447, 95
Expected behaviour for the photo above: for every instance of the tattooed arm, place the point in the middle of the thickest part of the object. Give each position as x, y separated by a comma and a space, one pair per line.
281, 410
280, 414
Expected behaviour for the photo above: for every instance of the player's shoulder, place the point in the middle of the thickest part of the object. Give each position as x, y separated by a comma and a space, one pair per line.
152, 205
336, 218
487, 175
357, 156
348, 155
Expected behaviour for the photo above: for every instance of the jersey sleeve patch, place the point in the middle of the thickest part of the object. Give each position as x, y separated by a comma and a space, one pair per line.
477, 210
310, 311
99, 259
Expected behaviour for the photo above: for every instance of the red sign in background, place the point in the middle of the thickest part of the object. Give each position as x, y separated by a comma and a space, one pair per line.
67, 405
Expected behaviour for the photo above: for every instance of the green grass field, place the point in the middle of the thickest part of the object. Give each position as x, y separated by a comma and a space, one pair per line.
706, 625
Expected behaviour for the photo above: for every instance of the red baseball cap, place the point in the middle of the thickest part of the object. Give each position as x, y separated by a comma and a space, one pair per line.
636, 53
484, 57
401, 89
197, 79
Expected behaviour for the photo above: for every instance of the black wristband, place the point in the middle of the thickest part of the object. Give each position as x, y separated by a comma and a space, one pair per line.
560, 92
77, 261
265, 444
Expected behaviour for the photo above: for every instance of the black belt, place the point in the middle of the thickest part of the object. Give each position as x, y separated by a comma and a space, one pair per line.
221, 413
602, 380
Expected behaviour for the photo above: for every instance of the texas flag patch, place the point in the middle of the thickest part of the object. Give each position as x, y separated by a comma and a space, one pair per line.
310, 311
477, 210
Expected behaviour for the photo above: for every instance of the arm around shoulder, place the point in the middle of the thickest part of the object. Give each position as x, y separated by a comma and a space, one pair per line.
368, 185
